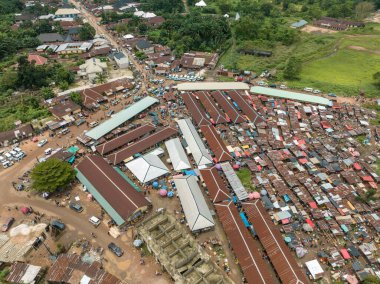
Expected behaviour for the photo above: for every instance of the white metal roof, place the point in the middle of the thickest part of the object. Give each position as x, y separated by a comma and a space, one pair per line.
209, 86
314, 268
147, 168
197, 213
121, 117
197, 147
234, 181
177, 155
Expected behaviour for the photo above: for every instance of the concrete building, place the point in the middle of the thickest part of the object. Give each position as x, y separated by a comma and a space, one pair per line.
66, 14
121, 60
92, 68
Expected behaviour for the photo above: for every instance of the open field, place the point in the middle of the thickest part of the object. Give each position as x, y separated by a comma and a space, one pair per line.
342, 63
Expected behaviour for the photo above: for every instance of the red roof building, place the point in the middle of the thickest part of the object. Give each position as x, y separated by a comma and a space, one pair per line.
39, 60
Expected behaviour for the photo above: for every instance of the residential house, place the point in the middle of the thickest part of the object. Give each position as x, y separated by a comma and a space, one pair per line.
74, 47
23, 273
299, 24
50, 37
20, 133
91, 68
199, 60
145, 46
121, 60
66, 14
64, 106
337, 24
154, 22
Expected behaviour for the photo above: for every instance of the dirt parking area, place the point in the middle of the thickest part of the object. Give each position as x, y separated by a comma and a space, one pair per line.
317, 30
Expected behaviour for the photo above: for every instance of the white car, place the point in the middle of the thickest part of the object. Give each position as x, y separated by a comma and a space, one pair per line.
283, 87
94, 221
42, 143
308, 89
317, 92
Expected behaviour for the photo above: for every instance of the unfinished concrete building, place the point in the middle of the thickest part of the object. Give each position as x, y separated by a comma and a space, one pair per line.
178, 252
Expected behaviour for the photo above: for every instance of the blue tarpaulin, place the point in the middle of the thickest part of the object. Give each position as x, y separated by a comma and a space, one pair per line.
190, 173
286, 198
245, 221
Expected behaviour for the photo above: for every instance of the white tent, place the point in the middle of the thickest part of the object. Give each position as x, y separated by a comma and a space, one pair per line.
177, 155
147, 168
201, 156
128, 36
201, 4
237, 17
197, 213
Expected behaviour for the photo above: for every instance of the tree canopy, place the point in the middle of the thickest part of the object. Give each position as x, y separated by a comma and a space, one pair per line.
163, 6
86, 32
51, 175
76, 98
293, 68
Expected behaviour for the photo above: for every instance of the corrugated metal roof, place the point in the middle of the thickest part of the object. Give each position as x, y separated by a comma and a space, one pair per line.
226, 105
271, 239
147, 168
195, 109
216, 144
215, 113
121, 117
141, 145
111, 190
245, 106
205, 86
215, 185
250, 260
278, 93
177, 155
197, 147
124, 139
194, 205
234, 181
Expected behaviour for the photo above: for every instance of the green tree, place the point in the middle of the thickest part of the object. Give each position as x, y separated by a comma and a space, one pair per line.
8, 80
51, 175
47, 93
3, 274
363, 9
86, 32
372, 279
292, 68
76, 98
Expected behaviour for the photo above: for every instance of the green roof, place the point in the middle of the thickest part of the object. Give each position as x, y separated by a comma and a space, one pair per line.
121, 117
278, 93
99, 198
124, 176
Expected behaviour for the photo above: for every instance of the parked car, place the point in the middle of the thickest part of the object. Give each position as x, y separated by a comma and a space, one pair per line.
283, 86
64, 131
7, 224
80, 122
7, 164
317, 92
48, 151
76, 207
115, 249
110, 113
58, 225
332, 95
307, 89
94, 221
94, 123
42, 143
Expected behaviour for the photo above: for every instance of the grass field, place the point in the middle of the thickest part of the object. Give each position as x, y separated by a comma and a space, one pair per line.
244, 175
342, 63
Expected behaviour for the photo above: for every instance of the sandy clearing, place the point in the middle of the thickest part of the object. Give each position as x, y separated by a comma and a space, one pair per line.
312, 29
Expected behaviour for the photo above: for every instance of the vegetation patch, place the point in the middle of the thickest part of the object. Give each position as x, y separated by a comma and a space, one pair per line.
244, 175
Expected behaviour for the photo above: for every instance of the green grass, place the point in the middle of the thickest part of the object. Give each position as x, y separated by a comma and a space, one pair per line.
244, 175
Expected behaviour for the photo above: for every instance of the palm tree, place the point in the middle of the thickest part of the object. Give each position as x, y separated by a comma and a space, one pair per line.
101, 78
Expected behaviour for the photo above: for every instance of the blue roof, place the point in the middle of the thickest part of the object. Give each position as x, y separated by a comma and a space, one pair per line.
121, 117
299, 24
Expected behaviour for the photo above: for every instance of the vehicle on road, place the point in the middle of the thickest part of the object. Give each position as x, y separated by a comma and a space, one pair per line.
5, 227
115, 249
332, 95
76, 207
94, 221
80, 122
110, 113
42, 143
58, 225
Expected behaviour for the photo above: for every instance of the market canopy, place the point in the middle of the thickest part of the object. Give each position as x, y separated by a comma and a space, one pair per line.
147, 168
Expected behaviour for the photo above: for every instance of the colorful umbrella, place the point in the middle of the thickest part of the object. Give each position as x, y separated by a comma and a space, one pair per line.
155, 184
170, 194
218, 167
163, 192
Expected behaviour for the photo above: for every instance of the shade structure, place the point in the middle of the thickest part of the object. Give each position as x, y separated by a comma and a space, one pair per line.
300, 252
163, 192
263, 192
137, 243
155, 184
201, 4
254, 195
307, 228
287, 239
25, 210
236, 166
218, 167
147, 168
170, 194
177, 155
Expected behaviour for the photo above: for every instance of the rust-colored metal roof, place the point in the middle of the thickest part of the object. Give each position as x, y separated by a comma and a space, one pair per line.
196, 110
215, 113
245, 107
270, 237
111, 186
142, 145
254, 268
229, 109
215, 185
124, 139
69, 268
216, 144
